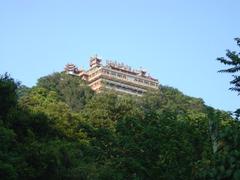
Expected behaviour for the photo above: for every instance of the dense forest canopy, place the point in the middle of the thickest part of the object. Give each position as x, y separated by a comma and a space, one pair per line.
61, 129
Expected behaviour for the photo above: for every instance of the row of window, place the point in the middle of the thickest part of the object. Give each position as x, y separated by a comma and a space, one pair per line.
129, 78
94, 74
123, 76
125, 88
114, 74
96, 84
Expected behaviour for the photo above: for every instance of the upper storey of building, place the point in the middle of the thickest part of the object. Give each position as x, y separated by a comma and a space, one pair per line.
117, 73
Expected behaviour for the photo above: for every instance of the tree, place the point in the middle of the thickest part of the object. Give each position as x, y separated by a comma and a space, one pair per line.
8, 97
22, 91
57, 130
70, 89
224, 130
232, 59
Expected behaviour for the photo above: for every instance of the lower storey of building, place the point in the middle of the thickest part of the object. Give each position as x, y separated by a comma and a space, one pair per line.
101, 84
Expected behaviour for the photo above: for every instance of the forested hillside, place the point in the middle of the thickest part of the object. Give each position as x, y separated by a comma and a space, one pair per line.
61, 129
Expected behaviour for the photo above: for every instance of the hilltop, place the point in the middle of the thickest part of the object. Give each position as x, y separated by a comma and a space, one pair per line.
61, 129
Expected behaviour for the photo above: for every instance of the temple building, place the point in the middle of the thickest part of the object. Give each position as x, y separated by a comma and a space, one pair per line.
115, 76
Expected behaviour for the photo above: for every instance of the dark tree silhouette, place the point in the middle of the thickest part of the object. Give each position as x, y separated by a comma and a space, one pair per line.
232, 59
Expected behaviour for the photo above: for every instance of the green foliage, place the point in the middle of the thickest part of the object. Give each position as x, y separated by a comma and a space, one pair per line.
7, 141
70, 89
232, 59
61, 130
224, 132
23, 91
8, 97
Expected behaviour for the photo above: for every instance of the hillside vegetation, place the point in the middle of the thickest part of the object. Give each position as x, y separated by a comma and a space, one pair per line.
60, 129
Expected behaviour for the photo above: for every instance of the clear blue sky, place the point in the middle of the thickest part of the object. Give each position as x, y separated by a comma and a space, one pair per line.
178, 41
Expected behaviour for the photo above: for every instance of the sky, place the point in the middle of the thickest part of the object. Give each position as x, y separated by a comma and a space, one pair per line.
177, 41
